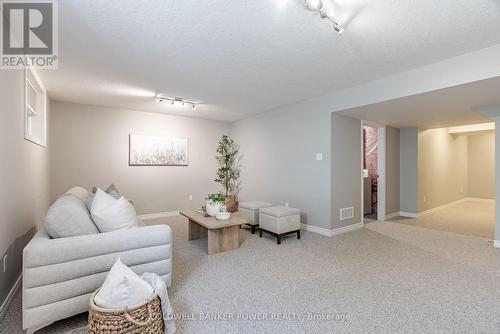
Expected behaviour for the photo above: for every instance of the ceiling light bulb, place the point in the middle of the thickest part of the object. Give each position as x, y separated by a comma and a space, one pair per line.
314, 4
160, 100
194, 106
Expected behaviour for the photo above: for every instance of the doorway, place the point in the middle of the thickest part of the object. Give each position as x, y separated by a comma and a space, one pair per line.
372, 166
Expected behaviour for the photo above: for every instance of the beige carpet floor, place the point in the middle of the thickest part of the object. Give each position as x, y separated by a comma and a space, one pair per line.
385, 278
470, 217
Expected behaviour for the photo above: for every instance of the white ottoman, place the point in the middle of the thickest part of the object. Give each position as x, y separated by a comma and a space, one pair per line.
250, 211
279, 220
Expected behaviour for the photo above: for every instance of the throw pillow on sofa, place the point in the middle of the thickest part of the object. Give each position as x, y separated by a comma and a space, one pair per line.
122, 288
79, 192
110, 190
68, 217
110, 214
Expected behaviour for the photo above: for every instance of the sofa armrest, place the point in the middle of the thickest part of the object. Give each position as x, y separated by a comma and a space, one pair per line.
60, 275
45, 251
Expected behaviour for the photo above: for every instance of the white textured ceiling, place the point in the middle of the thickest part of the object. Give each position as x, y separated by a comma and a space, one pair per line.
243, 57
441, 108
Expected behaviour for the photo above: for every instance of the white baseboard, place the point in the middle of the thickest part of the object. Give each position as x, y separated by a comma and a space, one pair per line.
496, 243
332, 232
314, 229
408, 214
158, 215
10, 296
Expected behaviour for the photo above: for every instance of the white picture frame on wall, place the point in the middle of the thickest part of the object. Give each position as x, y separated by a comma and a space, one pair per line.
35, 109
158, 151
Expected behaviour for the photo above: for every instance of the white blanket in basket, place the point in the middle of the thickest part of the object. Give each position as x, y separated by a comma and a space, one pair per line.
160, 289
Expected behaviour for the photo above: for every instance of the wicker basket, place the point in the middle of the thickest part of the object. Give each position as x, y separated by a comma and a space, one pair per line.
143, 319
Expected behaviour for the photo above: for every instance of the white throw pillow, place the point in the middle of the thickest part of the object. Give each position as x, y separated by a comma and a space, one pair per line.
122, 288
79, 192
110, 214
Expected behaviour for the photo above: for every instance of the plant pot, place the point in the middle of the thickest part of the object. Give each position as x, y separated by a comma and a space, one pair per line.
231, 203
213, 208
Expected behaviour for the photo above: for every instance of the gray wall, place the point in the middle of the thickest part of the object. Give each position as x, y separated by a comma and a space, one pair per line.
481, 165
24, 179
408, 173
346, 168
442, 168
280, 165
392, 161
90, 146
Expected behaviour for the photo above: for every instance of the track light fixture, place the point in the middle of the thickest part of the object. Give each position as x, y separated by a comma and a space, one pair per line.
324, 13
174, 100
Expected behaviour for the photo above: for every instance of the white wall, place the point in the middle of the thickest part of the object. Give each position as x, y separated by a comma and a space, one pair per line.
90, 146
304, 128
346, 147
392, 170
408, 179
280, 165
24, 178
442, 163
481, 166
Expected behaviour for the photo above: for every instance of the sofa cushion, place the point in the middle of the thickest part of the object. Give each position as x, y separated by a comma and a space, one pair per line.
110, 214
69, 217
79, 192
254, 205
280, 211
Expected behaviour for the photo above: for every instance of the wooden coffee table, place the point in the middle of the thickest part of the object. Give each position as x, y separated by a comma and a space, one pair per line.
222, 235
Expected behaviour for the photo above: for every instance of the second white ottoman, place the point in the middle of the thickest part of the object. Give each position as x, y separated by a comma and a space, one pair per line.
279, 220
250, 211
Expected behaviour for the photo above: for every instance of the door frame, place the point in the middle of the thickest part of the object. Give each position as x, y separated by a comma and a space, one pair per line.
381, 130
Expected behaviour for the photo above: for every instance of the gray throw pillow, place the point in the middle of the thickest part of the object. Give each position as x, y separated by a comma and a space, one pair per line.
69, 217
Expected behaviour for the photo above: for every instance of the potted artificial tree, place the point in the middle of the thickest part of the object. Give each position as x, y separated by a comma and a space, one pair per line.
228, 173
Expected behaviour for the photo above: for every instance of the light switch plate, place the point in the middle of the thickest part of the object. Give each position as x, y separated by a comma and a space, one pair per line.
319, 156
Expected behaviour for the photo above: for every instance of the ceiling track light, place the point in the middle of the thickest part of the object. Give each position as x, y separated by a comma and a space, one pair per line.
317, 6
174, 100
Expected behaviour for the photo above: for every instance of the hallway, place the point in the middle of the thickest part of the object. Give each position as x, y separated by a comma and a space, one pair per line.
468, 217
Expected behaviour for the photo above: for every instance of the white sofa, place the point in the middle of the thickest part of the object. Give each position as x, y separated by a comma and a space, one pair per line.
59, 275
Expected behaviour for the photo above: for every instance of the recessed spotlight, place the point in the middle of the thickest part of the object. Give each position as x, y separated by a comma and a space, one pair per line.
338, 28
317, 6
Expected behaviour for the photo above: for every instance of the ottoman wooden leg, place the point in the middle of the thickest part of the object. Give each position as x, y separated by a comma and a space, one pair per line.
298, 234
278, 236
253, 229
260, 233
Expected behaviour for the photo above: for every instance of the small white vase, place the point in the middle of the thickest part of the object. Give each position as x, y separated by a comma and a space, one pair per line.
213, 208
